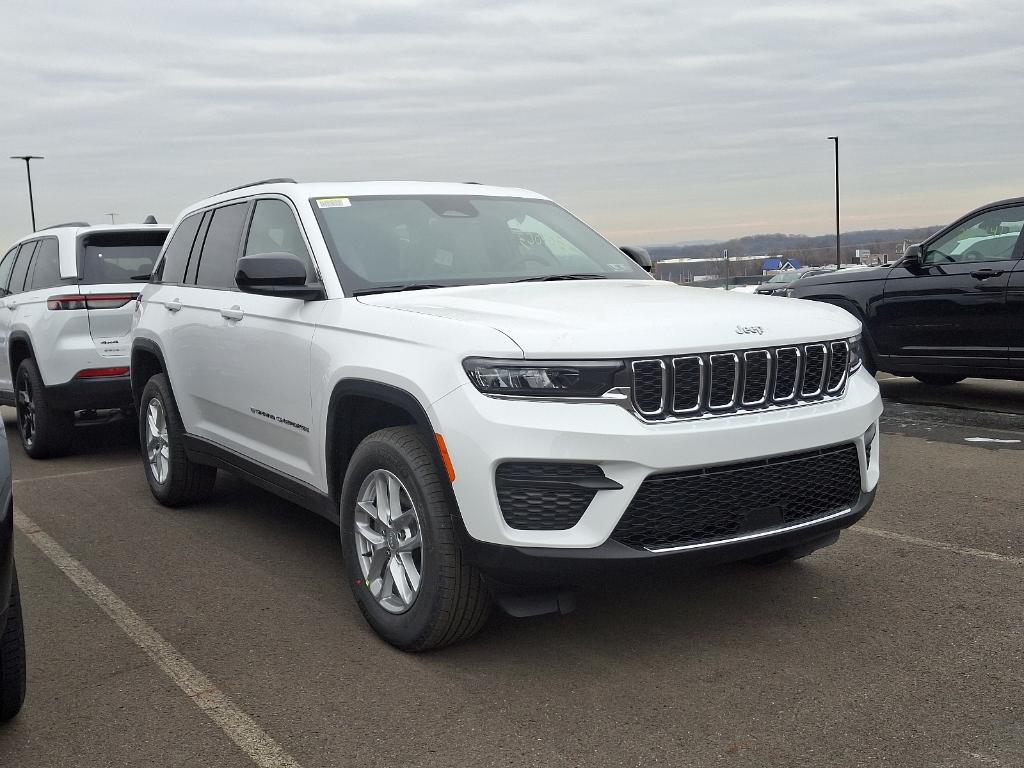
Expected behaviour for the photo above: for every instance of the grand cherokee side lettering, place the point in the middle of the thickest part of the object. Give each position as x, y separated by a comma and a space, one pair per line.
278, 419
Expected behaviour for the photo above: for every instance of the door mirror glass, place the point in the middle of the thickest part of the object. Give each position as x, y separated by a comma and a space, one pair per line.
639, 255
275, 274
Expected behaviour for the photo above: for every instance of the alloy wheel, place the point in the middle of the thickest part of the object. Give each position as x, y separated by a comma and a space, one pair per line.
388, 541
158, 452
26, 411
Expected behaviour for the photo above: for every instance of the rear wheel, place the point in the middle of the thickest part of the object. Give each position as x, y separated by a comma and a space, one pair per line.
173, 478
12, 658
45, 431
938, 380
402, 557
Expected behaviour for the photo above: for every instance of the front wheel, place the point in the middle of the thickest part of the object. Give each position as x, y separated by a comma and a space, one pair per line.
402, 557
174, 479
44, 430
12, 658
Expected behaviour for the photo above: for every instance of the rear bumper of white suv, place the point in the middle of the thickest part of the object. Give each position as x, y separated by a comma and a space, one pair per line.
631, 477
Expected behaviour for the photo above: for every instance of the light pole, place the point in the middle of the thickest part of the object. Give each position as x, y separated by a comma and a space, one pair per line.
839, 261
28, 170
725, 254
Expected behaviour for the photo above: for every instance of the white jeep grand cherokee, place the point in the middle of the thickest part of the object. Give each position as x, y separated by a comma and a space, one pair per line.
493, 401
67, 294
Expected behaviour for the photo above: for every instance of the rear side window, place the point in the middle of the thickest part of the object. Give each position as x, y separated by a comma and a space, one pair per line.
219, 259
21, 267
5, 268
118, 257
172, 270
46, 273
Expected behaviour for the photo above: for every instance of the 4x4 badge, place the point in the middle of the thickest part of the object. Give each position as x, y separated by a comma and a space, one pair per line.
750, 329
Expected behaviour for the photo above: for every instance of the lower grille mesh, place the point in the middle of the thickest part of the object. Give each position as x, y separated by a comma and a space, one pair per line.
697, 506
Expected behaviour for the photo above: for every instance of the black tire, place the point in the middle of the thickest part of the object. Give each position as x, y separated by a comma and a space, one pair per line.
45, 432
186, 482
453, 602
938, 380
12, 658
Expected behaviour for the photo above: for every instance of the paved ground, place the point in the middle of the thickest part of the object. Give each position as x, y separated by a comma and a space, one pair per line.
900, 646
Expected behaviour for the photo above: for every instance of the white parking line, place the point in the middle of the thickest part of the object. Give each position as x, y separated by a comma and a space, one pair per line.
940, 545
239, 727
76, 474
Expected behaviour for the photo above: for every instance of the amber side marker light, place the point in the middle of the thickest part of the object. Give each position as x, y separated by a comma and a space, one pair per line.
445, 457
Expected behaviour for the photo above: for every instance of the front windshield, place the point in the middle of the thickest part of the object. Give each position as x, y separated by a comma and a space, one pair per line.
431, 240
785, 277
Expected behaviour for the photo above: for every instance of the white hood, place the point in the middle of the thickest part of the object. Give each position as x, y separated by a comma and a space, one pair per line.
626, 318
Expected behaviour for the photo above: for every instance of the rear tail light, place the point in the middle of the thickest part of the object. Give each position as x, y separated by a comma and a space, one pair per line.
100, 373
90, 300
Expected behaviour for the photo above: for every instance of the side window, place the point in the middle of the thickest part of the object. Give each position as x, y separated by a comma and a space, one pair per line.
5, 269
989, 236
172, 268
21, 267
274, 230
220, 249
46, 273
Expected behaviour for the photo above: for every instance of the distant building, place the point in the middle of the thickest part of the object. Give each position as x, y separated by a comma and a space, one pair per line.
779, 264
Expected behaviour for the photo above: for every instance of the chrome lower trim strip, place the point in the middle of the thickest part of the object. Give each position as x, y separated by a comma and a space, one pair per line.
753, 536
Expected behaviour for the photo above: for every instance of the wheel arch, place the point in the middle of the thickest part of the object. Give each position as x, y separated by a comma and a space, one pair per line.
147, 360
19, 348
359, 407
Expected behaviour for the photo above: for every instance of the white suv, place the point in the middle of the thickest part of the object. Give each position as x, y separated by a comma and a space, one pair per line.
66, 296
493, 401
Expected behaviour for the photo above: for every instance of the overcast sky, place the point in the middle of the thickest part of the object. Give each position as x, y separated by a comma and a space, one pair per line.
657, 121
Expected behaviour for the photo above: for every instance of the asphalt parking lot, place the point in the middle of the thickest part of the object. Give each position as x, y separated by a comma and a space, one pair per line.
899, 646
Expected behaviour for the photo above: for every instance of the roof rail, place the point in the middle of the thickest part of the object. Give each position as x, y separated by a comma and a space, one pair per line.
282, 180
67, 224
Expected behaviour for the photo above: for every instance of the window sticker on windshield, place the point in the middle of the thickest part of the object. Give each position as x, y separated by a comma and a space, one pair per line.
333, 202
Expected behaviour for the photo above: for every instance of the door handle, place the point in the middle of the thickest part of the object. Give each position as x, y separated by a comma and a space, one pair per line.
985, 274
235, 313
173, 305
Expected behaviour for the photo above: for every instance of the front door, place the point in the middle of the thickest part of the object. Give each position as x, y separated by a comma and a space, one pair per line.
250, 376
951, 311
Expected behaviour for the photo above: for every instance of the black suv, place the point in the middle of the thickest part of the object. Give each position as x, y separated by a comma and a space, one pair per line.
952, 307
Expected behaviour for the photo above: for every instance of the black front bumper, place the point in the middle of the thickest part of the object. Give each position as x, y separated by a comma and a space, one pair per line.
80, 394
547, 567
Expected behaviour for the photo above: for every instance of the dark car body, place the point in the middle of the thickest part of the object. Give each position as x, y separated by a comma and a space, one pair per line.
954, 307
12, 629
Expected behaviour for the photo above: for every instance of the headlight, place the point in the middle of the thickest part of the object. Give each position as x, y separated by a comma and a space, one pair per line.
856, 354
542, 378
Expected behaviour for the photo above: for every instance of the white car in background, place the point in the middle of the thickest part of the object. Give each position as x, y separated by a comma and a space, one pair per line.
66, 296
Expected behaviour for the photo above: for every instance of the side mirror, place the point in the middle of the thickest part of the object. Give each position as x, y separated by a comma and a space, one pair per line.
639, 255
275, 274
913, 257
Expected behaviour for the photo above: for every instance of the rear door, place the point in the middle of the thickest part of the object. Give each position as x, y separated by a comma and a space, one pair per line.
112, 267
952, 311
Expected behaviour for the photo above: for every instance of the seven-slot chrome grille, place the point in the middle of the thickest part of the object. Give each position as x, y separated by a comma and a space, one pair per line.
713, 383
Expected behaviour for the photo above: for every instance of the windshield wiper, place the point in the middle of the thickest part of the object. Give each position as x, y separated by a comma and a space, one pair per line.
396, 288
575, 276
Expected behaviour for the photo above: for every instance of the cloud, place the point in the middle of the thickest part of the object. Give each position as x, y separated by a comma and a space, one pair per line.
653, 120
